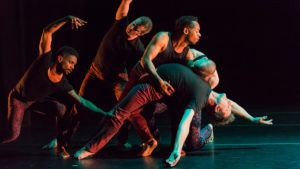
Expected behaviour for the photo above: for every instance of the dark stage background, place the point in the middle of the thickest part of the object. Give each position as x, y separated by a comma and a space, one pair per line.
254, 43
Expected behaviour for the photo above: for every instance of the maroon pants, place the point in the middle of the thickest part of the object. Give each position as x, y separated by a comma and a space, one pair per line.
17, 106
103, 92
129, 108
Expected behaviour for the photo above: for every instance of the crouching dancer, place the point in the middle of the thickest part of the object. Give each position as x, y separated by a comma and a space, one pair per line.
46, 76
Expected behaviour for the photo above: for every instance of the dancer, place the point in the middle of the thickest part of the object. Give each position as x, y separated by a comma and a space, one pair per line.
46, 76
196, 95
119, 50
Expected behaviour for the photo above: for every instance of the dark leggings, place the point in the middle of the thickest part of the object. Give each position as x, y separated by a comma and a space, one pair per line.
16, 108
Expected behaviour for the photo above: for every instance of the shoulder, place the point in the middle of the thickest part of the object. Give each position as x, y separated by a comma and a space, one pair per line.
66, 85
46, 58
123, 20
49, 53
197, 53
161, 38
163, 35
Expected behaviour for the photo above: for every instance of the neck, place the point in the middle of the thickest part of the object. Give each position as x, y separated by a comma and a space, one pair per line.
131, 37
54, 75
54, 70
179, 44
211, 99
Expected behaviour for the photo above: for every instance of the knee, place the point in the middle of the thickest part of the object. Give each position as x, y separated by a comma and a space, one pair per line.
61, 109
10, 137
193, 146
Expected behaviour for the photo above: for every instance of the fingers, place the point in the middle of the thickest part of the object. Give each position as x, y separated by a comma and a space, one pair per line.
171, 89
269, 122
173, 160
82, 21
263, 121
168, 88
77, 22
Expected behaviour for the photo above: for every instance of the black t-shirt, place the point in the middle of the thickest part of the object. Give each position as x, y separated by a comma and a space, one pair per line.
190, 91
35, 83
115, 52
169, 55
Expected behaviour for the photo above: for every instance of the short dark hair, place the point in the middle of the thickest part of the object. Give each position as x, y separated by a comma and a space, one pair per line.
147, 23
218, 120
183, 22
204, 67
66, 50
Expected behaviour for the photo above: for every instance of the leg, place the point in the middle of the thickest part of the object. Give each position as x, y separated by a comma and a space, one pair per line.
88, 90
198, 137
136, 98
53, 107
15, 114
140, 124
123, 133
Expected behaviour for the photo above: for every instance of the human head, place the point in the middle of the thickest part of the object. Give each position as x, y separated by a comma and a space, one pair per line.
139, 27
204, 68
66, 59
189, 27
219, 109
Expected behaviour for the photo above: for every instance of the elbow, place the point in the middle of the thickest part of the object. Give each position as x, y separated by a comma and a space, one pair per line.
144, 62
46, 31
213, 82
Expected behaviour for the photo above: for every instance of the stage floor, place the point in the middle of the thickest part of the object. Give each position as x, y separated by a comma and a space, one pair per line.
236, 146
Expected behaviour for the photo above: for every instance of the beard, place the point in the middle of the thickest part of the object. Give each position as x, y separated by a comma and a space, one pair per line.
60, 69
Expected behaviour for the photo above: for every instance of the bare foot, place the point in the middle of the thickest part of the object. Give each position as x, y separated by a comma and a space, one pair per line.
82, 153
173, 159
183, 153
148, 148
62, 152
210, 139
51, 145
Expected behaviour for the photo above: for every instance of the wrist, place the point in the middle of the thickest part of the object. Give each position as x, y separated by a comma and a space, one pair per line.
68, 17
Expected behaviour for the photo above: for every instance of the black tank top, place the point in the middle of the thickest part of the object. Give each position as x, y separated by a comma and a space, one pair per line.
170, 55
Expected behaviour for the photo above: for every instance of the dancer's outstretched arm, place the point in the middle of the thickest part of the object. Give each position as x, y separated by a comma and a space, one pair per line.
182, 133
49, 30
87, 104
123, 9
240, 111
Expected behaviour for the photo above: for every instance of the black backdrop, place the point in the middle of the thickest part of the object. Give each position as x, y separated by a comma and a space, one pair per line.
254, 43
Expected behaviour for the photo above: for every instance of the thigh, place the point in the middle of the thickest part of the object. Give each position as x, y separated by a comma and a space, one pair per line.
50, 106
139, 96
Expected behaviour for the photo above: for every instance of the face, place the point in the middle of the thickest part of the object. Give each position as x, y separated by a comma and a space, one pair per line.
193, 33
223, 106
67, 63
133, 30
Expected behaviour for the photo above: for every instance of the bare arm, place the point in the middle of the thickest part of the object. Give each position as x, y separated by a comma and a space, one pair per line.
182, 133
123, 9
213, 80
46, 38
190, 57
156, 45
240, 111
86, 103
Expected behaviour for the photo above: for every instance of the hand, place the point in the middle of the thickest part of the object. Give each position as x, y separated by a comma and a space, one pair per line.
76, 22
111, 113
173, 159
166, 88
262, 120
